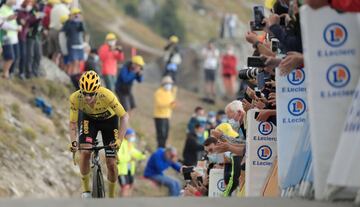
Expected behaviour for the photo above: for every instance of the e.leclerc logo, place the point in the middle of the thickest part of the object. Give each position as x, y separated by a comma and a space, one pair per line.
296, 106
221, 185
335, 34
264, 152
265, 128
338, 75
296, 77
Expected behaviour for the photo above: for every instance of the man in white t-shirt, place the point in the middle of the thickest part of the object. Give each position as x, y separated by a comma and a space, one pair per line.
210, 57
59, 10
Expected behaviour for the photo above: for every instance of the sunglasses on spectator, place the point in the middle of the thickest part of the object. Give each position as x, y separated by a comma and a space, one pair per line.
89, 94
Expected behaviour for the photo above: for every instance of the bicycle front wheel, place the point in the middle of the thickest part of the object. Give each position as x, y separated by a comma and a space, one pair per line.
98, 189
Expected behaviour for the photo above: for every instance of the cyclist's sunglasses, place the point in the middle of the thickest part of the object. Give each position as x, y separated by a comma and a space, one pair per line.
88, 94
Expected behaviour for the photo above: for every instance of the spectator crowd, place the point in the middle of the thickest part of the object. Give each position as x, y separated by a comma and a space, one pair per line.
214, 140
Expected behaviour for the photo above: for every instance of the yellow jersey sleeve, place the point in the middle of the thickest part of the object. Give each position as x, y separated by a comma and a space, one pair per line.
114, 103
74, 106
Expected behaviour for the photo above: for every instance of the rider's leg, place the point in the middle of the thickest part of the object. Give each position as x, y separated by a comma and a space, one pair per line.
87, 135
109, 131
85, 167
111, 175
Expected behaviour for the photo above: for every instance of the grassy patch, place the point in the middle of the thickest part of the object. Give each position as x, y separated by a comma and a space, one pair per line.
16, 111
29, 133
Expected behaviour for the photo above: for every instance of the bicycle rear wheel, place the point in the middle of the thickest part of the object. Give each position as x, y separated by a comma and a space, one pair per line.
98, 189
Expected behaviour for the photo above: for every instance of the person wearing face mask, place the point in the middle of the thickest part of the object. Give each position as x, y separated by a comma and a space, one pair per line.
193, 148
231, 161
110, 56
127, 156
229, 72
237, 116
74, 31
93, 61
60, 8
164, 103
199, 116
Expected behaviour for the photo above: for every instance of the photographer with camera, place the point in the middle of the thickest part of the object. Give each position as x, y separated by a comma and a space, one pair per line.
159, 161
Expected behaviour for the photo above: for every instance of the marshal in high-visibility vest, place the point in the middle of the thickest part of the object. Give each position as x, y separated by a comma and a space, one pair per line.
127, 157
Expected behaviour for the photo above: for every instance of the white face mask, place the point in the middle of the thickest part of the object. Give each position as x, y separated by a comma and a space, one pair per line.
29, 8
217, 158
234, 124
132, 139
96, 58
112, 43
168, 86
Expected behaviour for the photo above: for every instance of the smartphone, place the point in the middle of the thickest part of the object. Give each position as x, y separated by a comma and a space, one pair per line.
274, 45
188, 169
199, 180
256, 114
252, 26
260, 77
256, 62
282, 21
259, 17
247, 97
187, 172
257, 92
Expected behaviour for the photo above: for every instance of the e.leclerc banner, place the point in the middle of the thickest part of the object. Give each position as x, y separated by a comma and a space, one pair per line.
291, 117
261, 151
345, 169
216, 183
331, 52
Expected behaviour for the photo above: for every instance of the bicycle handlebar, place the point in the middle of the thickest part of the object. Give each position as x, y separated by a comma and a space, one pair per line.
95, 148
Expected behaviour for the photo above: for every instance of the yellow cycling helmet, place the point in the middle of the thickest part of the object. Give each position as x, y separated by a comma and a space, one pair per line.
174, 39
89, 82
137, 59
64, 18
75, 10
110, 36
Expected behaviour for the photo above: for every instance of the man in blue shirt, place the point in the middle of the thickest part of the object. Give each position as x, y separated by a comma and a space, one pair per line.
130, 72
159, 161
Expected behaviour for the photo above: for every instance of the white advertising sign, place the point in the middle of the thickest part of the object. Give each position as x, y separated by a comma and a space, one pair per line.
261, 151
345, 169
331, 52
291, 119
216, 183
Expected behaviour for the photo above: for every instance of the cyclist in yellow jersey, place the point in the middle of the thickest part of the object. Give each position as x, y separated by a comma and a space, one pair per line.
95, 108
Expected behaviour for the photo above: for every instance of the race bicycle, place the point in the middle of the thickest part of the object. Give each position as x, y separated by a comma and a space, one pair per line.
98, 189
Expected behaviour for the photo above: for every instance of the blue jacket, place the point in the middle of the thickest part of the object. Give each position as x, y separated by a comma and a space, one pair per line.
127, 77
157, 164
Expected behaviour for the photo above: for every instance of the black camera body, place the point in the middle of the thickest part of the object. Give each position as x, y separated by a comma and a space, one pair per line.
187, 172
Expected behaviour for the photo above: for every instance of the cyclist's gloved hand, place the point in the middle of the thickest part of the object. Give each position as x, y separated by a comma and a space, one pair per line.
116, 144
73, 146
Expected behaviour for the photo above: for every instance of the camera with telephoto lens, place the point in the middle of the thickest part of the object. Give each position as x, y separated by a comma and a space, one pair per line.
249, 73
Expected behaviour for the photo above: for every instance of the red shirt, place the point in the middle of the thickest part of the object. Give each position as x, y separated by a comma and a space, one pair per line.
346, 5
46, 19
109, 59
229, 63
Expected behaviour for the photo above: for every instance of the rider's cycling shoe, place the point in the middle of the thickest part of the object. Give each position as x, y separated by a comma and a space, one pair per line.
86, 194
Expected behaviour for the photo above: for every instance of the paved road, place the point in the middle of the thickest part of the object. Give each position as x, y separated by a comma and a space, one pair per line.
171, 202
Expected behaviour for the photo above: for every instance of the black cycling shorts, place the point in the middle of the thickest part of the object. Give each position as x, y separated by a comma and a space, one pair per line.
126, 179
89, 128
